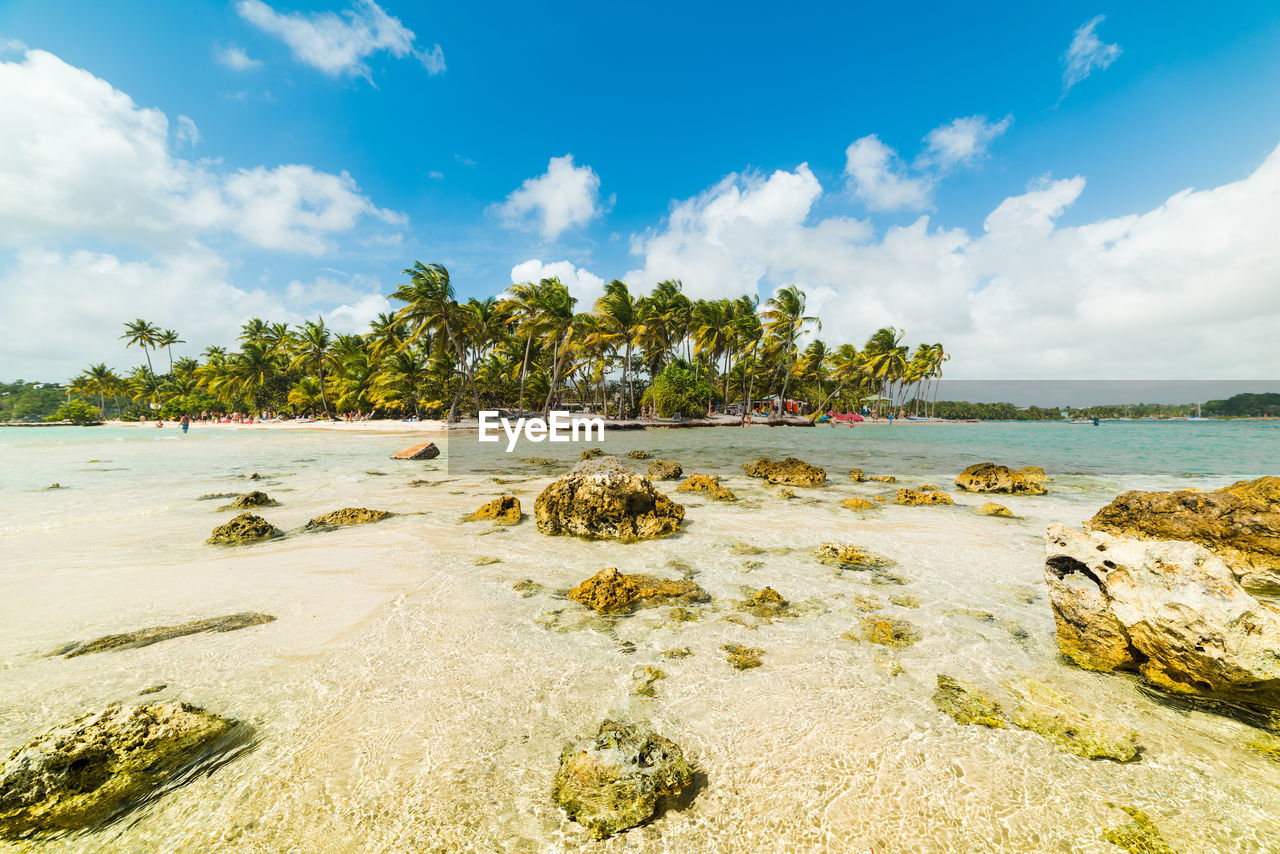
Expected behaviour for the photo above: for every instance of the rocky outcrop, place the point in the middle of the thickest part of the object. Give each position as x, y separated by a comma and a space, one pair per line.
638, 455
156, 634
966, 705
1058, 718
887, 631
990, 477
346, 517
591, 454
612, 592
743, 657
993, 509
96, 767
504, 510
245, 528
924, 494
1139, 835
1172, 611
850, 556
791, 471
1240, 523
617, 778
766, 604
603, 498
708, 483
857, 504
251, 499
856, 475
665, 470
425, 451
882, 478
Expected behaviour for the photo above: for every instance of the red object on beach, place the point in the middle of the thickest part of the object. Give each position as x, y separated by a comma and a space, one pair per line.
425, 451
846, 416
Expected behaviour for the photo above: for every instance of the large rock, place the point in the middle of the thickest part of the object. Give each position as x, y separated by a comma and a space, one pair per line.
924, 494
425, 451
504, 510
665, 470
1172, 611
92, 769
1240, 523
603, 498
346, 517
245, 528
616, 779
611, 592
989, 477
791, 471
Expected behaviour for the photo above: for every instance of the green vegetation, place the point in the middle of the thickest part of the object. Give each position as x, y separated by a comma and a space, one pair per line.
1245, 406
22, 401
1238, 406
77, 412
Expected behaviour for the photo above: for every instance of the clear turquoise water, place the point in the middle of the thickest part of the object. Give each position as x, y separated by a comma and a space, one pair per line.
409, 699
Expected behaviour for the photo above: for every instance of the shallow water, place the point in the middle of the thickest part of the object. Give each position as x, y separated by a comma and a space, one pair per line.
409, 699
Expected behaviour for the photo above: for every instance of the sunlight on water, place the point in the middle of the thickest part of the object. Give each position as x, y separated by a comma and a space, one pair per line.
409, 699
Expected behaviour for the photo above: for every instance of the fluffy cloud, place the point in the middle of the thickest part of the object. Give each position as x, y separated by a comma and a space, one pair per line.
879, 179
586, 286
562, 197
962, 142
80, 158
1149, 296
234, 57
340, 44
1086, 54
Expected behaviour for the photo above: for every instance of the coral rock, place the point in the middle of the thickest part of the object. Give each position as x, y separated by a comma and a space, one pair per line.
926, 494
602, 498
665, 470
245, 528
503, 511
610, 591
989, 477
346, 517
791, 471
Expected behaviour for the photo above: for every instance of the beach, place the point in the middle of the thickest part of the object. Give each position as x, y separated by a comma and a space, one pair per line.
423, 673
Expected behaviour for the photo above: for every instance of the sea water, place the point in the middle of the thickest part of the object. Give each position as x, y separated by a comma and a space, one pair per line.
408, 698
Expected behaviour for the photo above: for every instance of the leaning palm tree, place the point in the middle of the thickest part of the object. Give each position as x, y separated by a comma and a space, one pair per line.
558, 319
166, 339
430, 307
520, 308
312, 346
784, 318
144, 334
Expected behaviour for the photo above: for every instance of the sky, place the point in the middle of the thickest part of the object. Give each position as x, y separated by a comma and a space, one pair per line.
1053, 191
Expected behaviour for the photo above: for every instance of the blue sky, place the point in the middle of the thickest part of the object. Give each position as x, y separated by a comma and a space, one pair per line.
440, 113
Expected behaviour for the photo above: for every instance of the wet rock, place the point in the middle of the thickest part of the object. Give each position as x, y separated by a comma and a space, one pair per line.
966, 705
425, 451
96, 767
786, 492
346, 517
602, 498
850, 556
502, 511
708, 483
485, 560
156, 634
905, 601
1138, 836
1239, 523
990, 477
766, 604
1056, 717
791, 471
857, 504
887, 631
925, 494
245, 528
993, 509
591, 454
1171, 611
682, 615
882, 478
856, 475
617, 778
665, 470
682, 652
643, 679
211, 496
251, 499
612, 592
639, 455
541, 461
743, 657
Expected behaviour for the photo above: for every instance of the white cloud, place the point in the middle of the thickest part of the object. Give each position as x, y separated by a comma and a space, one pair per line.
880, 180
435, 175
234, 57
962, 142
1086, 54
563, 197
340, 44
79, 158
1148, 296
585, 286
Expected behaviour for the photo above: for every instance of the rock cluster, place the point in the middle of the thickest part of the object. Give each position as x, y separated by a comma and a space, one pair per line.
791, 471
603, 498
612, 592
94, 768
850, 556
887, 631
743, 657
990, 477
504, 510
245, 528
617, 778
665, 470
924, 494
346, 517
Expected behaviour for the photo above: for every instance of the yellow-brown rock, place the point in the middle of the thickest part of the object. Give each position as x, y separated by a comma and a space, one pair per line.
857, 504
612, 592
603, 498
504, 510
990, 477
926, 494
791, 471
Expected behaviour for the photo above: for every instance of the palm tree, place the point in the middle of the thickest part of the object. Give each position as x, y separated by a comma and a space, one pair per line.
712, 330
312, 345
430, 307
784, 319
100, 380
555, 305
886, 359
142, 334
166, 339
521, 309
618, 315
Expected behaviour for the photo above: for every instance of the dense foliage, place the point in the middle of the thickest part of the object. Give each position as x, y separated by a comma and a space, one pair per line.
1245, 405
678, 389
22, 401
77, 412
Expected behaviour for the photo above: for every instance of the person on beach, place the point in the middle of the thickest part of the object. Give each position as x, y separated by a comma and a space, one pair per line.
186, 423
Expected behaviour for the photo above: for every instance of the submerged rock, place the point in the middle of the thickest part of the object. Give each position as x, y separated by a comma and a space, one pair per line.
850, 556
504, 510
346, 517
743, 657
245, 528
882, 478
993, 509
856, 475
1138, 836
786, 492
887, 631
616, 779
1172, 611
612, 592
425, 451
791, 471
638, 455
708, 483
155, 634
766, 603
643, 679
665, 470
96, 767
966, 705
925, 494
990, 477
1239, 523
603, 498
1056, 717
591, 454
857, 504
251, 499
